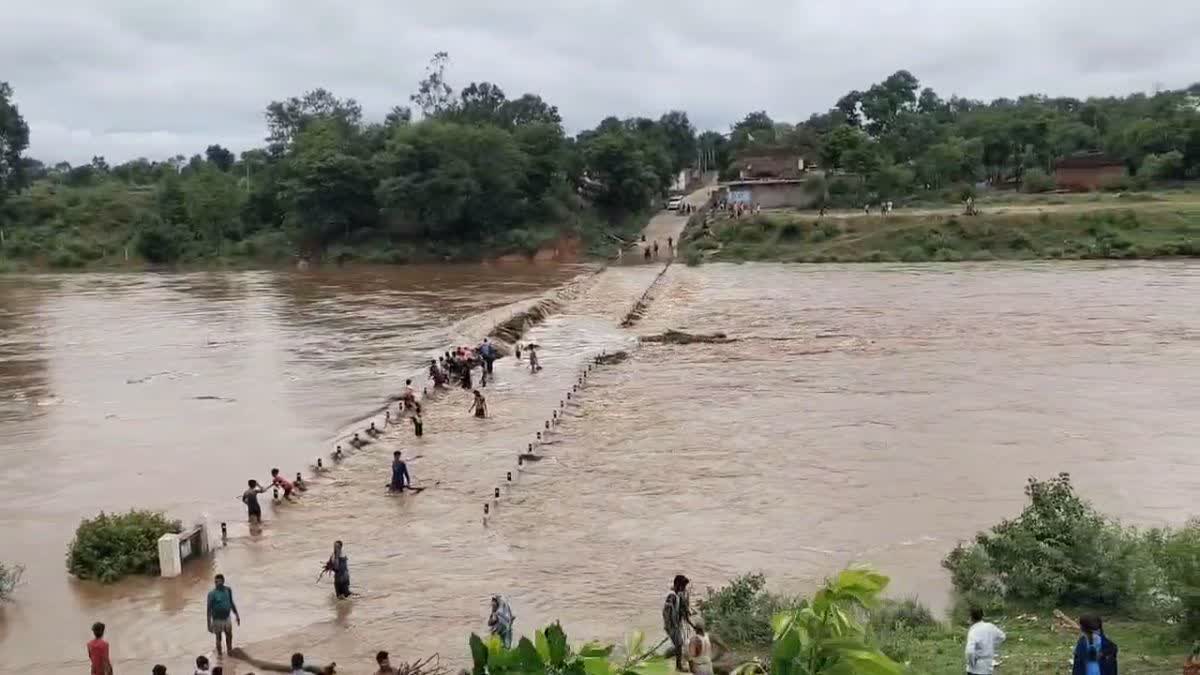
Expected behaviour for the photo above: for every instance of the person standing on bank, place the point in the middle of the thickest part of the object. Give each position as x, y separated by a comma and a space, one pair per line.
1095, 654
983, 640
677, 617
97, 651
218, 608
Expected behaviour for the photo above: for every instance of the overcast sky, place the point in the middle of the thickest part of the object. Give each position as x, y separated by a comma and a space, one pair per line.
154, 78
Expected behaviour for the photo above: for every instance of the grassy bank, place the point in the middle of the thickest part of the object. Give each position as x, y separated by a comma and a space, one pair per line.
1140, 229
740, 614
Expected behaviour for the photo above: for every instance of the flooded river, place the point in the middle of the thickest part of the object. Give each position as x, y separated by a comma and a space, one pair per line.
873, 413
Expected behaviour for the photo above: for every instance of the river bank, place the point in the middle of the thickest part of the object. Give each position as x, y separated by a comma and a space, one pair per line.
1110, 231
105, 241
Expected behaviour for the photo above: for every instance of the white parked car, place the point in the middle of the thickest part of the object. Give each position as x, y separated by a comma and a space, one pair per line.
674, 203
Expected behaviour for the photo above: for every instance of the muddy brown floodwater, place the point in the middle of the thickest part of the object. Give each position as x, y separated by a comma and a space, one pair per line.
864, 413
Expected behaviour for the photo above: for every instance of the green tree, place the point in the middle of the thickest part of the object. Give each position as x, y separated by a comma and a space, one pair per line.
531, 109
625, 169
1166, 166
756, 128
482, 103
219, 157
680, 138
434, 95
324, 190
840, 144
883, 102
287, 119
213, 204
14, 138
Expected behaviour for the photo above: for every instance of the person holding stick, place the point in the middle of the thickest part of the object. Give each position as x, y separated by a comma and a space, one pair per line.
339, 564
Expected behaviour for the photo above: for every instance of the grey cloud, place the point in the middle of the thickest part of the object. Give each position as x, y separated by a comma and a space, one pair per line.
128, 78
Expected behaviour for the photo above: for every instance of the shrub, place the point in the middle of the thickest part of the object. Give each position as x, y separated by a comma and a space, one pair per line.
10, 576
64, 259
1117, 184
947, 255
914, 254
1019, 241
693, 257
826, 230
1179, 557
1059, 551
157, 243
740, 611
791, 231
109, 547
1036, 180
907, 613
1166, 166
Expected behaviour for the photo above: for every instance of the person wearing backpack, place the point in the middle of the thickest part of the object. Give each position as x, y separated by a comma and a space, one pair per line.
1095, 653
219, 607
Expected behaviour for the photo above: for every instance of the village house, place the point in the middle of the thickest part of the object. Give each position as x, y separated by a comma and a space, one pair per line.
771, 179
1088, 171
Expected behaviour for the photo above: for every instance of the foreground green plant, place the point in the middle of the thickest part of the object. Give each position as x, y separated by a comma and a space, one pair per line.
111, 546
827, 635
550, 654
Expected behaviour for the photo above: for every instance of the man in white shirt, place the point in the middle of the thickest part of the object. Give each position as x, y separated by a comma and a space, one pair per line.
983, 639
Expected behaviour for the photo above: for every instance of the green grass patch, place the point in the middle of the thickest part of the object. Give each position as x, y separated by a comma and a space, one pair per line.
1156, 229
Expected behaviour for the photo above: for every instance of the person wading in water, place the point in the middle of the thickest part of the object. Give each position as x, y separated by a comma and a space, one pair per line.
479, 405
400, 478
339, 564
250, 499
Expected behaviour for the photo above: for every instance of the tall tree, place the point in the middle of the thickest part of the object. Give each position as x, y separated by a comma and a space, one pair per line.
14, 138
681, 138
286, 119
434, 95
219, 157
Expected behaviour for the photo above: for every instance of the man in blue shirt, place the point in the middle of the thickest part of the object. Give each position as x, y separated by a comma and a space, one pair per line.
488, 351
400, 479
219, 607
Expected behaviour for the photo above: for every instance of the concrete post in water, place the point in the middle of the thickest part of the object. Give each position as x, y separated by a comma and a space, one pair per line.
320, 466
170, 561
486, 512
508, 475
224, 534
206, 532
496, 494
275, 494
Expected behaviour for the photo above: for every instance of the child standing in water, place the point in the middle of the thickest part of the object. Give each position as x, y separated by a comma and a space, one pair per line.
418, 426
533, 360
479, 405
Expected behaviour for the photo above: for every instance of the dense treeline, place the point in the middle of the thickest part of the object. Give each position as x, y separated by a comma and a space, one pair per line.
479, 174
475, 172
900, 139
